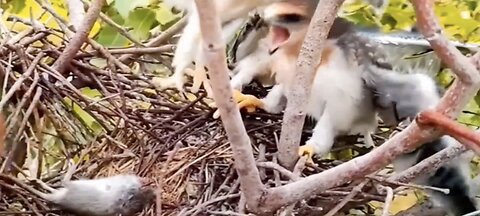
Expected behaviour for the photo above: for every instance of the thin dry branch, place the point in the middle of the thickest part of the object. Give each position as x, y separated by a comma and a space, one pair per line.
388, 199
429, 165
214, 50
79, 38
357, 189
309, 57
157, 41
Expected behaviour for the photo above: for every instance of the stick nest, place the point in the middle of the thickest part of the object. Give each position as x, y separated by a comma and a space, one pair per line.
105, 116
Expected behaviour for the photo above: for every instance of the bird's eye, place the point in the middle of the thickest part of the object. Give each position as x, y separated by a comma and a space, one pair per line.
290, 18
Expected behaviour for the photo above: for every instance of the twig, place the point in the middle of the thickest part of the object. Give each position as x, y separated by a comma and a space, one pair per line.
429, 165
20, 80
475, 213
214, 51
261, 158
297, 171
242, 204
112, 23
230, 213
357, 189
159, 40
161, 178
309, 57
466, 73
422, 187
79, 38
433, 33
133, 50
205, 204
278, 168
276, 173
388, 199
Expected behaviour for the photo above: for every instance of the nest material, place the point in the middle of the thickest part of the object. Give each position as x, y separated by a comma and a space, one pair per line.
127, 125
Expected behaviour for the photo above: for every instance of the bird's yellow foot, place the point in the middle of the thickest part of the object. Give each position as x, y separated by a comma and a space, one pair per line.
307, 150
248, 102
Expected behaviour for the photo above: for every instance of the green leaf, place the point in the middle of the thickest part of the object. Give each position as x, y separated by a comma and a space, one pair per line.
444, 78
109, 36
15, 6
477, 98
141, 20
403, 19
89, 120
164, 14
124, 7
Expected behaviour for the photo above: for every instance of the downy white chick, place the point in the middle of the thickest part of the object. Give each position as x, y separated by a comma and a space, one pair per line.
120, 194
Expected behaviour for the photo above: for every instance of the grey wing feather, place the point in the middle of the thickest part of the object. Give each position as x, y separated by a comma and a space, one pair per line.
409, 51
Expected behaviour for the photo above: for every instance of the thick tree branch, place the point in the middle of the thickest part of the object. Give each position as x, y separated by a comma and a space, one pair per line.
298, 93
80, 37
214, 50
359, 167
433, 33
466, 72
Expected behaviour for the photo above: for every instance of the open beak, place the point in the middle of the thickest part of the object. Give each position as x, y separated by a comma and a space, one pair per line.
278, 36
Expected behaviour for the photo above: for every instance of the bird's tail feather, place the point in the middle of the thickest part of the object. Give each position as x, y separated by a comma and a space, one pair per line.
459, 200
